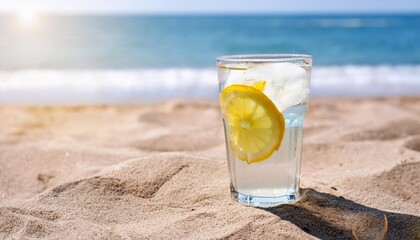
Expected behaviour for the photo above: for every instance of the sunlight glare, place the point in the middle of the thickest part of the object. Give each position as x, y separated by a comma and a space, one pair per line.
27, 18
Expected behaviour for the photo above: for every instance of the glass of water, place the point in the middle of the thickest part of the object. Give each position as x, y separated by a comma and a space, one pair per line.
263, 100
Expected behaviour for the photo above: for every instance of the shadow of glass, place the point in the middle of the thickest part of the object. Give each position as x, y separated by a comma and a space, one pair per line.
326, 216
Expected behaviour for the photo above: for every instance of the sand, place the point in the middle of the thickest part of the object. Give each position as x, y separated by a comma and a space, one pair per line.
158, 171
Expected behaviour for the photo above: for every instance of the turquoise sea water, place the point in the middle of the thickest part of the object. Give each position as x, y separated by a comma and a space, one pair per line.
88, 42
120, 59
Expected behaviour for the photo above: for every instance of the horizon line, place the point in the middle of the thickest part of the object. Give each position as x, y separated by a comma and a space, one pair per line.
138, 13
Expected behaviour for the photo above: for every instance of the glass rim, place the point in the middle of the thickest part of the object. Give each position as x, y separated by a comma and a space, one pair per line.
280, 57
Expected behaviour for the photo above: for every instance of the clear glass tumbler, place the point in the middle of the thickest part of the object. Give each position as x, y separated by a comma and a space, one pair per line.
263, 100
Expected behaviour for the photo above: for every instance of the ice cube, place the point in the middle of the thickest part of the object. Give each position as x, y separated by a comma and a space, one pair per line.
236, 77
277, 72
286, 83
291, 98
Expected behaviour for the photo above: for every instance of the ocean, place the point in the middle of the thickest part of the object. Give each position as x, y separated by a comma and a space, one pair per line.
125, 59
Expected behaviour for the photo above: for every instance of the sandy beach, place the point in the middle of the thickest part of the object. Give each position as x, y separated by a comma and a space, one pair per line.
158, 171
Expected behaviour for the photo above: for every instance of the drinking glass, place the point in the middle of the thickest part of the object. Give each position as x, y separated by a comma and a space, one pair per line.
264, 99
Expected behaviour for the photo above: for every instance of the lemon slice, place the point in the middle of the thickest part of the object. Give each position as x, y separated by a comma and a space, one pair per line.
255, 126
259, 85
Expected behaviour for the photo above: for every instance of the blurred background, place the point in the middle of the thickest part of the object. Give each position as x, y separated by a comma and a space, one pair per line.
119, 52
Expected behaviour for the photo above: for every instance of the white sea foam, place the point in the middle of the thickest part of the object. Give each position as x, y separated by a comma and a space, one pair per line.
133, 86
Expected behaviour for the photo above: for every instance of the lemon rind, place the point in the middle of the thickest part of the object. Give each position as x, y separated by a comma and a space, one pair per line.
262, 99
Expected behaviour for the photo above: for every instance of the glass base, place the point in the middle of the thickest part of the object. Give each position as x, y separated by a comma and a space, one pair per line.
264, 202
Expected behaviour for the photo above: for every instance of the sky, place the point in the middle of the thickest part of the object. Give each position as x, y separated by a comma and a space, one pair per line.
214, 6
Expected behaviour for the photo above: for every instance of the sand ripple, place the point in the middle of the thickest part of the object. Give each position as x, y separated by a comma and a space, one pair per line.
159, 172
